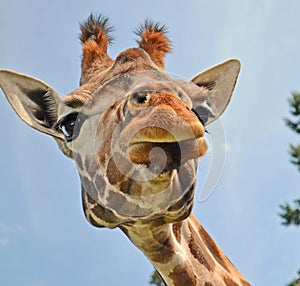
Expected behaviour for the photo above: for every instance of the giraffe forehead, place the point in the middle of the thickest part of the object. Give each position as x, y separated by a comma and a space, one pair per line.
131, 67
124, 84
128, 64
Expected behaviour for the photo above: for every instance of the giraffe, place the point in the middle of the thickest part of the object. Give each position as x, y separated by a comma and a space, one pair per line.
135, 134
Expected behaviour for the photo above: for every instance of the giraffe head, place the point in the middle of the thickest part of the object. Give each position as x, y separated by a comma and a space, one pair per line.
135, 132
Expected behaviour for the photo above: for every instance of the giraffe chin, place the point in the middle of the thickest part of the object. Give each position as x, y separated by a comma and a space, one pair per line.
167, 155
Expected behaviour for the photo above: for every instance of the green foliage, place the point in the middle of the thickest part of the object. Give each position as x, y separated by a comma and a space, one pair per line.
294, 102
289, 214
156, 279
294, 124
295, 282
295, 154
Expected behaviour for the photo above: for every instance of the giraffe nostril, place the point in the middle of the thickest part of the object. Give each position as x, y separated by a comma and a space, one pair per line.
140, 97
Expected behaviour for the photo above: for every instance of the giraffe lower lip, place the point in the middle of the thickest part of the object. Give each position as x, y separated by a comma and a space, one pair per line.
171, 153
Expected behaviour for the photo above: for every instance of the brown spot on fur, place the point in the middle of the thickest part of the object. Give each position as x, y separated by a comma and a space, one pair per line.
162, 249
99, 211
78, 161
208, 284
186, 178
87, 198
117, 168
86, 202
121, 204
179, 215
91, 167
229, 282
182, 276
86, 183
200, 254
93, 222
131, 187
213, 248
125, 230
177, 231
186, 200
113, 173
102, 213
166, 250
119, 113
100, 184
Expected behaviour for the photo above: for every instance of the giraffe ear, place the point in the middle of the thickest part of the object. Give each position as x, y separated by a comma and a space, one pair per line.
216, 84
35, 102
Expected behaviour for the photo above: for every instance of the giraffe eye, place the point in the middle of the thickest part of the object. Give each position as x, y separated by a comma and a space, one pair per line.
70, 125
140, 97
67, 126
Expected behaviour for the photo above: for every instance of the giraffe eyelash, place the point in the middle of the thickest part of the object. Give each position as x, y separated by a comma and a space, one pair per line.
70, 125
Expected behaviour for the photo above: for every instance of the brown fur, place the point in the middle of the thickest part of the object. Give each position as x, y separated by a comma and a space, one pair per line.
131, 60
229, 282
214, 249
97, 210
164, 251
177, 231
95, 39
182, 247
155, 42
244, 282
113, 173
199, 252
183, 276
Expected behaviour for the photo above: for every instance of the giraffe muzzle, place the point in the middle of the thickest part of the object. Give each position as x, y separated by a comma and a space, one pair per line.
172, 153
156, 146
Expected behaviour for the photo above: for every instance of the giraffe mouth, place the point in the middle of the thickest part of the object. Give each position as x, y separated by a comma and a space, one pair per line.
164, 136
166, 151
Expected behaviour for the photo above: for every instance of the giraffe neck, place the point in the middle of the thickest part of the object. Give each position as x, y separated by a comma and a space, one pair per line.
184, 254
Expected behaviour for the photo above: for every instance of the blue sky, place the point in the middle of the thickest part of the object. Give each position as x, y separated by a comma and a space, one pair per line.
44, 238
